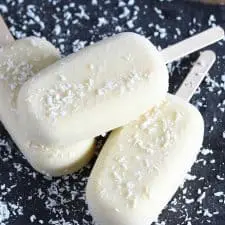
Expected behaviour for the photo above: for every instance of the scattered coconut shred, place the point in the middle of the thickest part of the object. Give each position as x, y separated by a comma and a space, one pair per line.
27, 197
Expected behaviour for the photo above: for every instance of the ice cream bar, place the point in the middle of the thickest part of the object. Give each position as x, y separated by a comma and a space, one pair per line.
143, 163
99, 88
19, 61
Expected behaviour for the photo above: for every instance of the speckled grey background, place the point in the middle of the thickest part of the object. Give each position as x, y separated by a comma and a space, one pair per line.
27, 197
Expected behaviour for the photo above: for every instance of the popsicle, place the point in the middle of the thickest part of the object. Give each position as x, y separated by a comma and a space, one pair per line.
19, 61
100, 88
143, 163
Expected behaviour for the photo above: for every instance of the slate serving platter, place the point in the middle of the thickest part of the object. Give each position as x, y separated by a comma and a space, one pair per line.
27, 197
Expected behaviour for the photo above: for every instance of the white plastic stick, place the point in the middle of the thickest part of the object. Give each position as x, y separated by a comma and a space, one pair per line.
192, 44
195, 76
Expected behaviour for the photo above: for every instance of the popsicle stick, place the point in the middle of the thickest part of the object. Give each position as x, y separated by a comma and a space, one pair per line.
192, 44
196, 75
5, 35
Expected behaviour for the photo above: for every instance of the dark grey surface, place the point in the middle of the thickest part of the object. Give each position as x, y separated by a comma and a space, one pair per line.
31, 198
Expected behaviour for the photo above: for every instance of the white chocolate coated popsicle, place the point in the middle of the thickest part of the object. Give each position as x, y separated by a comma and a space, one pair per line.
97, 89
19, 61
143, 163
